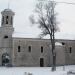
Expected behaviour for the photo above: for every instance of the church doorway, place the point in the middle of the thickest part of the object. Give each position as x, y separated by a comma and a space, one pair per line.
41, 62
5, 59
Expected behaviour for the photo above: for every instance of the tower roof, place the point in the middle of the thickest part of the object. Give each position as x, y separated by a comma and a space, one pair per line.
7, 11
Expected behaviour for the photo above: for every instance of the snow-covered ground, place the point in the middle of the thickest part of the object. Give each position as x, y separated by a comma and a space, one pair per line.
35, 70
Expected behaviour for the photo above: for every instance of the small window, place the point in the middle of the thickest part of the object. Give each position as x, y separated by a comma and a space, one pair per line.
6, 19
63, 43
19, 48
70, 49
41, 49
29, 48
5, 36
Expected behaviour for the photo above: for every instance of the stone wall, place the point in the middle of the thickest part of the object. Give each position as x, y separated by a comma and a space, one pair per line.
26, 58
69, 51
64, 56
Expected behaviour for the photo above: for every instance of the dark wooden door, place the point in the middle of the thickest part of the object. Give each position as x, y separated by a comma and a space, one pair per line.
41, 62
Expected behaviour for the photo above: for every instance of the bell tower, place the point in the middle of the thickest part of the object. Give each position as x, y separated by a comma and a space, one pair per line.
6, 31
7, 18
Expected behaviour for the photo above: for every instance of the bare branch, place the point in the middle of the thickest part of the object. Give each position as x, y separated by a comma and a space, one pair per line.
47, 22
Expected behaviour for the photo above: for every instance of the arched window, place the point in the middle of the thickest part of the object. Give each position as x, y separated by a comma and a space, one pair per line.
19, 48
41, 49
29, 49
7, 19
70, 49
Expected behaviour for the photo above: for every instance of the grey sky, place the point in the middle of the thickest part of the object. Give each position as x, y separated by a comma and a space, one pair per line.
24, 8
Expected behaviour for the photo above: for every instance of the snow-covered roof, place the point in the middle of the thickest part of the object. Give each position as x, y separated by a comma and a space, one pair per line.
58, 44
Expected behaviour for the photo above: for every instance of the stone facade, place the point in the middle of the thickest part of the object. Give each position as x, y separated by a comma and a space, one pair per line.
24, 57
69, 51
31, 52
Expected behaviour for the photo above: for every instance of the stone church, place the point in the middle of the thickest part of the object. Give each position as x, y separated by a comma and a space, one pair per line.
31, 52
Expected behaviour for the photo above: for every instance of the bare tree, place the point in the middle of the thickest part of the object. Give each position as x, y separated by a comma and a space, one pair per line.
47, 23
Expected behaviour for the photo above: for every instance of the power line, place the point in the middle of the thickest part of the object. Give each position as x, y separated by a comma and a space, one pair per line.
66, 3
58, 2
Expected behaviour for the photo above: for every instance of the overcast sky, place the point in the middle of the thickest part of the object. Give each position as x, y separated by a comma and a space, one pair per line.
24, 8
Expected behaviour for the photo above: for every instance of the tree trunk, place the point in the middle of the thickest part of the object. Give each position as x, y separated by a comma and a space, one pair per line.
53, 51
